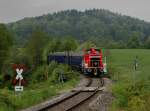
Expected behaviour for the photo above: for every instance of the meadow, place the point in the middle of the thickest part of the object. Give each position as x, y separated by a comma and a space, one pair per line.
131, 88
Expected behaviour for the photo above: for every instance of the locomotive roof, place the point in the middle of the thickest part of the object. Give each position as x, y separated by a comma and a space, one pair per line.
65, 53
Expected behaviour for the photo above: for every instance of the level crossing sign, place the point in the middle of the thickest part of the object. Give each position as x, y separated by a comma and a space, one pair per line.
19, 81
20, 78
18, 88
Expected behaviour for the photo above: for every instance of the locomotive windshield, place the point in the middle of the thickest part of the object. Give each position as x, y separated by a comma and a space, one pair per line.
92, 50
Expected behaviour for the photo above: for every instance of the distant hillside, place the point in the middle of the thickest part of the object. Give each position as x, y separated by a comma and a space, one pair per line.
97, 23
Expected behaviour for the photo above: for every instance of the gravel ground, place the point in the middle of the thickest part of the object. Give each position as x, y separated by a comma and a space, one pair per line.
100, 101
104, 99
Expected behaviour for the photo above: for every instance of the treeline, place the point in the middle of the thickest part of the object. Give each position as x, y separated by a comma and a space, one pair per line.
39, 76
33, 53
6, 41
93, 25
134, 42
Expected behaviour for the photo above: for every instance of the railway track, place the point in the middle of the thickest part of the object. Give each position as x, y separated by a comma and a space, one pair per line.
77, 101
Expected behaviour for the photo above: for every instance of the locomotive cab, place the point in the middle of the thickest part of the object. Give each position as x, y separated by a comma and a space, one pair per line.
92, 63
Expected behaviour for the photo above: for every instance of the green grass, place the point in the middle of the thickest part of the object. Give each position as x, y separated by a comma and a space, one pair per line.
38, 90
131, 87
11, 101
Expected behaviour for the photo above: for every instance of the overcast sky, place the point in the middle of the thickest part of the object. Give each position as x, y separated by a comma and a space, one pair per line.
12, 10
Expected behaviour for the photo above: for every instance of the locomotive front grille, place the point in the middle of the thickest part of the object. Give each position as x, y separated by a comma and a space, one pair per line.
94, 62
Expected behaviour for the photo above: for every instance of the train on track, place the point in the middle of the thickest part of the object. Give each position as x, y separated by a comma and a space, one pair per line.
90, 61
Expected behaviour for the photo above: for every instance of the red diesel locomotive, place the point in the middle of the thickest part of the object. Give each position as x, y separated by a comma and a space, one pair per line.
92, 62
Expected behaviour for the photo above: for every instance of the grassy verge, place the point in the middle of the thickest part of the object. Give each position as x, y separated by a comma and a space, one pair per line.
38, 90
131, 89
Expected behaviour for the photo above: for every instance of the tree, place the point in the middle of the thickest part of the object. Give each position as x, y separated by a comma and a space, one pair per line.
147, 43
69, 44
54, 45
134, 40
35, 46
86, 45
6, 42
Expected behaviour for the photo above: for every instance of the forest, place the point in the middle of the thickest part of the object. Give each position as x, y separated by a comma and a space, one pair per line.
96, 25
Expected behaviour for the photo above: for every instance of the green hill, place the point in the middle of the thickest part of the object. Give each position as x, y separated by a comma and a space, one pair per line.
99, 24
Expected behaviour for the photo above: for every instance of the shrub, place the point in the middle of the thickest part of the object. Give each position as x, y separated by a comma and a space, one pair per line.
136, 104
38, 75
5, 100
51, 67
61, 69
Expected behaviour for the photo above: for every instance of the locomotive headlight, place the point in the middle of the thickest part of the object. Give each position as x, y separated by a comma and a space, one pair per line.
89, 70
86, 65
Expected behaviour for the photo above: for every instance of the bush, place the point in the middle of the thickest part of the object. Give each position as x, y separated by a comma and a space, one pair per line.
5, 100
61, 69
136, 104
51, 67
6, 77
38, 75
